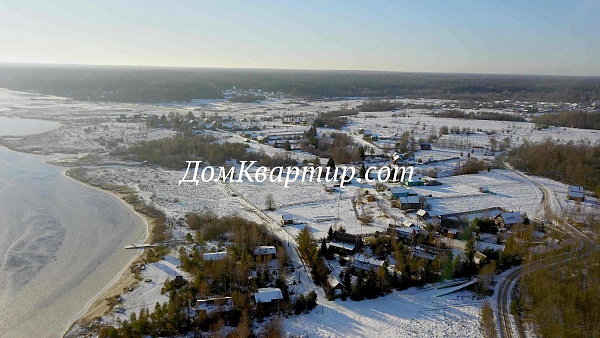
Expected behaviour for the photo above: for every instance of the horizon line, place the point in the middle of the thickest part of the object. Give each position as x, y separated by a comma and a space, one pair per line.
59, 64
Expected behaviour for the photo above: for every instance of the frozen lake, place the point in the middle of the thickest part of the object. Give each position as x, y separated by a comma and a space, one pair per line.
61, 242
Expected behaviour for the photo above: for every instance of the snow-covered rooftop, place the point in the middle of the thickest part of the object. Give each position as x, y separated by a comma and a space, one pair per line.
267, 295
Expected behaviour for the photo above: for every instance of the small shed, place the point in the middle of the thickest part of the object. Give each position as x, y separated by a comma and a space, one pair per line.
287, 219
575, 193
423, 214
430, 181
478, 257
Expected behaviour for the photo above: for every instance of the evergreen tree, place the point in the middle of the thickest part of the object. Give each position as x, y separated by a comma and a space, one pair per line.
331, 163
287, 146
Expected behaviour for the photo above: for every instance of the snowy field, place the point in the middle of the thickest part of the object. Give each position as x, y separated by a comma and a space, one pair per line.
461, 193
409, 313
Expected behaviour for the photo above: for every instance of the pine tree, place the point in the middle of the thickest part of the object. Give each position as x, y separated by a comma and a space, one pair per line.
363, 171
331, 163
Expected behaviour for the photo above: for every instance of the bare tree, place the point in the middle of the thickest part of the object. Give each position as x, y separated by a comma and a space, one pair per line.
270, 202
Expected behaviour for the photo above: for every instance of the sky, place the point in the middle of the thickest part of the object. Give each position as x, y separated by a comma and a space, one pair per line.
508, 37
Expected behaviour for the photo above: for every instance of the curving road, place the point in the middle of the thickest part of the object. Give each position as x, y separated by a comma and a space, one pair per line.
505, 322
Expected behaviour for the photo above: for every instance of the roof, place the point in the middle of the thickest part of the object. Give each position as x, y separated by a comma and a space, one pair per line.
265, 250
345, 246
214, 256
334, 281
575, 191
408, 224
408, 230
421, 212
414, 178
367, 260
267, 295
480, 246
478, 257
287, 217
409, 199
511, 217
399, 190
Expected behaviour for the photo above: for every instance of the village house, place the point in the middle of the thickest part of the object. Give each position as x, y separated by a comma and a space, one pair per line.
268, 299
409, 202
365, 263
415, 181
401, 191
405, 234
452, 233
481, 246
508, 219
214, 256
343, 248
427, 252
265, 250
268, 295
575, 193
287, 219
336, 284
345, 243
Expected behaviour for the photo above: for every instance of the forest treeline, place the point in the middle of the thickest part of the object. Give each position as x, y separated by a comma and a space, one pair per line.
481, 115
573, 119
571, 163
146, 84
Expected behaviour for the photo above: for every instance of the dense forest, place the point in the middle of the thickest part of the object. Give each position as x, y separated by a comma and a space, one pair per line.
562, 300
573, 119
571, 163
149, 84
174, 152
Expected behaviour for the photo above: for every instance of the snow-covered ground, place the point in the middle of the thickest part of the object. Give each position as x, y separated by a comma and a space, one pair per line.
147, 292
461, 193
88, 127
409, 313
